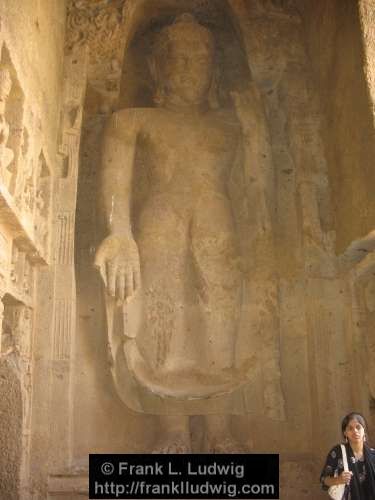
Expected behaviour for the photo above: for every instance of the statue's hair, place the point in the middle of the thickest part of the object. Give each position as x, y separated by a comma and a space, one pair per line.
184, 25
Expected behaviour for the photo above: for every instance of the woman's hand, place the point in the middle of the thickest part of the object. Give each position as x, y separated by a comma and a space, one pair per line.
117, 259
345, 477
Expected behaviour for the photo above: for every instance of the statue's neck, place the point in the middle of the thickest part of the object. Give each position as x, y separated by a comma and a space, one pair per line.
175, 103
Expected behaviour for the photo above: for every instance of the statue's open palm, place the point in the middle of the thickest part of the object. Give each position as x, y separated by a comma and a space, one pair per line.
117, 258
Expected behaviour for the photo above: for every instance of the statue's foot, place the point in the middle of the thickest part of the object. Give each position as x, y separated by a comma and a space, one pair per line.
172, 444
225, 444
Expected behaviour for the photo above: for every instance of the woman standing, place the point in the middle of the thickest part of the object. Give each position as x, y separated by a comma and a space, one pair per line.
360, 479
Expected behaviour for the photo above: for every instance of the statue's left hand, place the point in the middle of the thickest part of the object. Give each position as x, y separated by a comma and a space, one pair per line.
117, 259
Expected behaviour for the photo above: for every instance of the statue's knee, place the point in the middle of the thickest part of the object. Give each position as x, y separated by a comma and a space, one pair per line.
217, 253
221, 278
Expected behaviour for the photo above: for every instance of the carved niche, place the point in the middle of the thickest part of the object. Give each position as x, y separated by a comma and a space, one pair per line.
137, 92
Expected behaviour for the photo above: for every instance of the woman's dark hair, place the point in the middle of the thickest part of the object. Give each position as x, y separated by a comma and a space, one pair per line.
354, 416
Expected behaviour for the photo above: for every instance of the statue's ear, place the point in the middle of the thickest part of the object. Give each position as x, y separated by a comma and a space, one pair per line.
152, 66
213, 93
155, 75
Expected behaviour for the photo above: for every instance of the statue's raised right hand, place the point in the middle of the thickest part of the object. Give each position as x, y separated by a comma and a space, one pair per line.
117, 259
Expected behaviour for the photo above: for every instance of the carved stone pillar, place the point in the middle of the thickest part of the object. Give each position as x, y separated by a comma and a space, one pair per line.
63, 326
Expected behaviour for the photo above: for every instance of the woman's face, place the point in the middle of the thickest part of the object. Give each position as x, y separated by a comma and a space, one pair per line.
354, 431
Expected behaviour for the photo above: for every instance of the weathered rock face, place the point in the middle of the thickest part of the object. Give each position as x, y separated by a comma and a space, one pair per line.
31, 60
11, 422
339, 41
213, 160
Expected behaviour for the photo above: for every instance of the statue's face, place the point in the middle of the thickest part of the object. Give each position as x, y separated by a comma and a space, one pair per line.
187, 71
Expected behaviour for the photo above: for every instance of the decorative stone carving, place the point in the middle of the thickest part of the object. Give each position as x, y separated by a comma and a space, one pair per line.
42, 202
27, 282
21, 275
14, 267
65, 238
97, 22
17, 347
4, 258
11, 128
62, 330
17, 330
6, 153
25, 185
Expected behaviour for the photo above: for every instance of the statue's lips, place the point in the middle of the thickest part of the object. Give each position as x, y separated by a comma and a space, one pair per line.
187, 384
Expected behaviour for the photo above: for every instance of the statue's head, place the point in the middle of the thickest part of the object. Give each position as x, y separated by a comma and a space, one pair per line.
5, 83
182, 62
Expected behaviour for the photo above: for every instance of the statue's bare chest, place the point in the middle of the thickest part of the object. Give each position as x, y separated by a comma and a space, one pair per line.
190, 142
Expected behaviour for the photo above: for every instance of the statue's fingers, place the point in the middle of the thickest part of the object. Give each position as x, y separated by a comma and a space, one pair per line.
99, 263
129, 289
103, 274
100, 256
111, 278
120, 292
136, 278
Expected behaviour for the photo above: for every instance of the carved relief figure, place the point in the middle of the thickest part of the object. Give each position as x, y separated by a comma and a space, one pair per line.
21, 274
15, 266
172, 252
25, 188
42, 201
6, 154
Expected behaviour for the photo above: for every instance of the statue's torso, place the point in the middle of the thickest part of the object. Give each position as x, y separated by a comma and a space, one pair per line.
184, 152
186, 236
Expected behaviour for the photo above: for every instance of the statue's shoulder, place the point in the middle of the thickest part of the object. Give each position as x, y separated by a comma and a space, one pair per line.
127, 121
122, 118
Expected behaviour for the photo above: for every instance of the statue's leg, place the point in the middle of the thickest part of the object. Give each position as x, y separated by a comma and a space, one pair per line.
218, 436
216, 258
173, 435
163, 240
